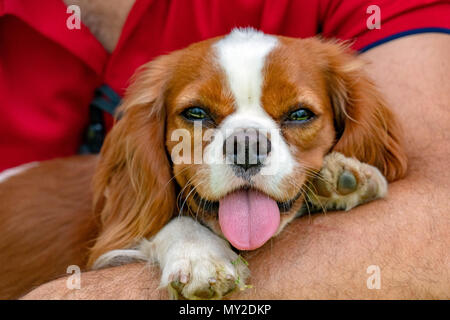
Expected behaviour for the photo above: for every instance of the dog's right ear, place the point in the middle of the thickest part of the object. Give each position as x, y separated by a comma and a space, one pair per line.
366, 127
134, 195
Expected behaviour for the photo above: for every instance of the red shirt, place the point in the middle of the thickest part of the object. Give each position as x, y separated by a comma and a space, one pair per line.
48, 73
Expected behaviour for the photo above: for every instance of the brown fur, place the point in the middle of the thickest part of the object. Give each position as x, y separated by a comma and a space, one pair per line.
134, 189
135, 194
371, 132
46, 223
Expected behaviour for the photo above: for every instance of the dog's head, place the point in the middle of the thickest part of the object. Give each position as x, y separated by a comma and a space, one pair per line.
230, 129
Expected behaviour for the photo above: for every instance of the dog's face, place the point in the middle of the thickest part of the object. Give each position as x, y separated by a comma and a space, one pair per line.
239, 88
229, 130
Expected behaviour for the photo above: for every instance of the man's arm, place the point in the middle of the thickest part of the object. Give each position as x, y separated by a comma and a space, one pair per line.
406, 235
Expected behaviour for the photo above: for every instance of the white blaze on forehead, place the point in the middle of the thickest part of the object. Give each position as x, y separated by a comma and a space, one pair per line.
242, 55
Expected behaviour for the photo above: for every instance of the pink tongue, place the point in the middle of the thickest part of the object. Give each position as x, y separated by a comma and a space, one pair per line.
248, 218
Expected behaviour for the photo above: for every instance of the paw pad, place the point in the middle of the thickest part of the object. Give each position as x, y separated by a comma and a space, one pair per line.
347, 183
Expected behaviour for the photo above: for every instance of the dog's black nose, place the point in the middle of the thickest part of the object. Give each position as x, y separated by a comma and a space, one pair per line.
247, 148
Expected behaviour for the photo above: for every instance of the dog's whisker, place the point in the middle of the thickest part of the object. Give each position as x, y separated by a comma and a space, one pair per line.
308, 199
180, 194
176, 175
191, 212
193, 189
311, 193
204, 204
202, 200
324, 209
311, 173
189, 182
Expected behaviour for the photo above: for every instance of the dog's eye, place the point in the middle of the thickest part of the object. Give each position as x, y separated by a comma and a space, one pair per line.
301, 115
195, 113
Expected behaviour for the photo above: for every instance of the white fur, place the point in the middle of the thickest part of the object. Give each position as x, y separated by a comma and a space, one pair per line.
191, 256
242, 56
7, 174
189, 253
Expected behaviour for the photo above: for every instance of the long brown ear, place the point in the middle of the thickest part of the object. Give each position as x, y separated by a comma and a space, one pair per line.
367, 129
133, 193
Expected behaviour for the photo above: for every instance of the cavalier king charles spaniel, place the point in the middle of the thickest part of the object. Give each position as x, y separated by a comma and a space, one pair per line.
272, 109
217, 148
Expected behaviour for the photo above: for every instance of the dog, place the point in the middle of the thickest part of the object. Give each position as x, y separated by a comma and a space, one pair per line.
302, 109
279, 126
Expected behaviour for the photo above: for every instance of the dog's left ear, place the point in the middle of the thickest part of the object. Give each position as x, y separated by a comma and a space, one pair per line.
366, 128
134, 193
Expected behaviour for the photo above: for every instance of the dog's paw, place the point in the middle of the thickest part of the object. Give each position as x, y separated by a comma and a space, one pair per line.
195, 262
344, 183
204, 277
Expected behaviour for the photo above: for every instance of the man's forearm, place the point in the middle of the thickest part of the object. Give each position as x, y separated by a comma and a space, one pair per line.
334, 256
325, 257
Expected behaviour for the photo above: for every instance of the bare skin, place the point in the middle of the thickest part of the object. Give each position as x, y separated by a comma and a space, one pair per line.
105, 19
326, 256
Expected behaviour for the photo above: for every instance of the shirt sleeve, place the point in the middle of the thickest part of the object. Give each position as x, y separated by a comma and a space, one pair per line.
356, 21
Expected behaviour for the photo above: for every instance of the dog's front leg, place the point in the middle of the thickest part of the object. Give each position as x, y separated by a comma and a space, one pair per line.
344, 183
195, 262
